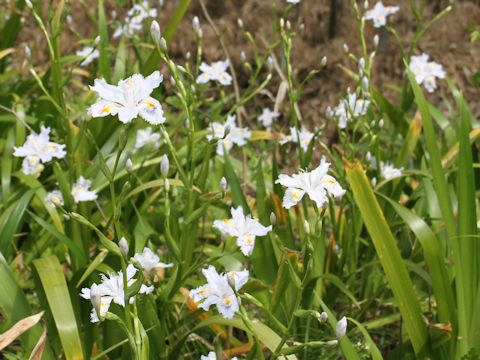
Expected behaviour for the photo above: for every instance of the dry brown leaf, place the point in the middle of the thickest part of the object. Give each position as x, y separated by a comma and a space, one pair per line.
18, 329
38, 349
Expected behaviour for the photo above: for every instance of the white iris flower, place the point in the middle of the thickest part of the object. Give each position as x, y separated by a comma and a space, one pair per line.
147, 137
55, 197
389, 171
129, 99
305, 137
111, 289
244, 228
140, 12
235, 134
128, 29
217, 71
38, 149
89, 53
317, 184
218, 292
212, 356
150, 261
267, 117
379, 14
350, 107
426, 71
81, 192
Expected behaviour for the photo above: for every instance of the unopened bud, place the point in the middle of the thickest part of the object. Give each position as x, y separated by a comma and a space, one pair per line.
376, 39
29, 3
329, 112
332, 342
196, 24
323, 316
269, 63
231, 280
96, 298
240, 23
167, 185
223, 236
341, 329
361, 65
374, 182
223, 185
288, 25
323, 62
172, 81
282, 23
239, 300
306, 227
28, 52
163, 44
380, 123
243, 57
365, 83
187, 122
365, 4
69, 19
188, 55
160, 3
123, 245
273, 218
155, 32
301, 27
113, 14
96, 40
129, 165
345, 48
164, 165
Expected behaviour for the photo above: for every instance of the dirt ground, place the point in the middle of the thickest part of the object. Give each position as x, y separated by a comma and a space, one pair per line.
447, 42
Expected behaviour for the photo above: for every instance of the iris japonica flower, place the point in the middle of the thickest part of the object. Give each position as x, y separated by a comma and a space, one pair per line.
147, 137
38, 149
150, 261
245, 228
350, 107
218, 292
129, 99
140, 12
216, 72
426, 71
89, 53
389, 171
55, 197
317, 184
81, 192
128, 28
229, 134
293, 1
267, 117
212, 356
341, 328
305, 137
379, 14
111, 289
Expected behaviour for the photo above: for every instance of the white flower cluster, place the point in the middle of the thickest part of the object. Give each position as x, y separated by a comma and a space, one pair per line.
228, 134
305, 137
89, 53
215, 72
147, 137
219, 292
133, 23
268, 116
350, 108
80, 192
426, 71
379, 14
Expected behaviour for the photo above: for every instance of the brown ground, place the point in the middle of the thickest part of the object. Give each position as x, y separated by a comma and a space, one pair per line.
447, 42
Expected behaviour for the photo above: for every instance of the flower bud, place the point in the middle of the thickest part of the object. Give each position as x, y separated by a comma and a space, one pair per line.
240, 23
123, 245
155, 32
164, 165
188, 55
160, 3
113, 14
129, 166
332, 342
341, 329
96, 298
365, 84
223, 185
167, 185
172, 81
28, 52
231, 280
69, 19
288, 25
269, 63
381, 122
323, 62
329, 112
345, 48
306, 227
323, 317
374, 182
282, 23
243, 57
29, 3
187, 121
361, 65
365, 4
196, 24
273, 218
163, 44
376, 39
200, 33
96, 40
301, 27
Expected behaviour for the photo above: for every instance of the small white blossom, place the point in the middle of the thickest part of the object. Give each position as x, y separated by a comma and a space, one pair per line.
111, 289
426, 71
379, 14
140, 12
89, 53
38, 149
218, 292
350, 107
131, 98
244, 228
150, 261
293, 1
234, 135
128, 28
147, 137
389, 171
216, 72
305, 137
81, 192
267, 116
341, 329
211, 356
317, 184
55, 197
